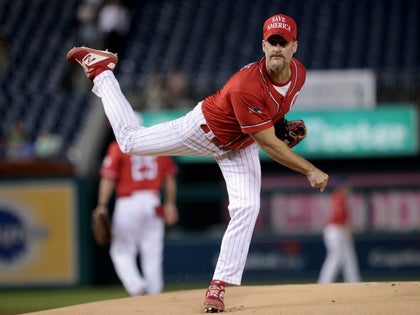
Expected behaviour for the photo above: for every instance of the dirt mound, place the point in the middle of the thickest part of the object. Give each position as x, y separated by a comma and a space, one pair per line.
339, 298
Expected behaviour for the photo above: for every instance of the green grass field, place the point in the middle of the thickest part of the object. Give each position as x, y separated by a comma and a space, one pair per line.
17, 301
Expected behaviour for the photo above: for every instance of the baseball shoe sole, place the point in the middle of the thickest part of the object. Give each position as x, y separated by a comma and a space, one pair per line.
92, 61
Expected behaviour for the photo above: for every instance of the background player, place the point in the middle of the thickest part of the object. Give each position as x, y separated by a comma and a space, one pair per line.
138, 221
231, 126
338, 239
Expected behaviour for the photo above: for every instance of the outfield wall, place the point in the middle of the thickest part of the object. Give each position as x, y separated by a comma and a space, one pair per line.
280, 258
45, 237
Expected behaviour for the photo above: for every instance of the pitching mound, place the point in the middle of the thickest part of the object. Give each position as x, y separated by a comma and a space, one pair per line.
341, 298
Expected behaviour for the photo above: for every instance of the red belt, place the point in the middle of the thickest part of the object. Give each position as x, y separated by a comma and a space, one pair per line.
216, 141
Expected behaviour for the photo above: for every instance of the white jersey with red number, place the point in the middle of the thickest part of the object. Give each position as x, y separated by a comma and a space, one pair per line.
134, 172
250, 102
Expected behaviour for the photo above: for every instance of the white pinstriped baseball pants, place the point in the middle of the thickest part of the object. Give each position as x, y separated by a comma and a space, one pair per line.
183, 136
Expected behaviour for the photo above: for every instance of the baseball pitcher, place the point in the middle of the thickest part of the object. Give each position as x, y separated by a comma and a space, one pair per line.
230, 126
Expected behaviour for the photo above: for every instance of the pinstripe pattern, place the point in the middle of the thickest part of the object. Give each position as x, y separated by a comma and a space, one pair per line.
183, 136
242, 173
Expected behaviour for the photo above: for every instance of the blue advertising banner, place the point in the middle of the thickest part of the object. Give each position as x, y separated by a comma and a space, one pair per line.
299, 258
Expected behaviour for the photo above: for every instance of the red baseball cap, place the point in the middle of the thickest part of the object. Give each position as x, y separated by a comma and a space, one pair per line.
282, 25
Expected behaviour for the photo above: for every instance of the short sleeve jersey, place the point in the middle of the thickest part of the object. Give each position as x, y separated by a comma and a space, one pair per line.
135, 172
249, 102
338, 208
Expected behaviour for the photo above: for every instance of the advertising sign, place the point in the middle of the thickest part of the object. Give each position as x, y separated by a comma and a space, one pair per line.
38, 233
382, 132
307, 213
277, 258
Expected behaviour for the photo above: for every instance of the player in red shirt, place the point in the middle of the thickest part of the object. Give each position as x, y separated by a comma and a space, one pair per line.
138, 221
250, 102
231, 126
338, 239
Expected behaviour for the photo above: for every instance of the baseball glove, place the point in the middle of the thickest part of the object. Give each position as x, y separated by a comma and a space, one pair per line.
101, 227
290, 132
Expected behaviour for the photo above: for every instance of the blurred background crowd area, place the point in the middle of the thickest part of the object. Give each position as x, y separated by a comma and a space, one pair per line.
173, 53
363, 62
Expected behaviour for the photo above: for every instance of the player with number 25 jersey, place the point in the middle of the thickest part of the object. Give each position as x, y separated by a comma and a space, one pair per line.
138, 220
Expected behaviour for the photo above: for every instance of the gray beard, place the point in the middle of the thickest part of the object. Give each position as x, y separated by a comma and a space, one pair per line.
276, 67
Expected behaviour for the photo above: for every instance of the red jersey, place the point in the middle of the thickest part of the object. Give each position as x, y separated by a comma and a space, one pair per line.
338, 208
249, 102
135, 172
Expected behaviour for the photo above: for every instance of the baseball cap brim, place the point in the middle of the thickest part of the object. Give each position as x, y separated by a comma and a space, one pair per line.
285, 35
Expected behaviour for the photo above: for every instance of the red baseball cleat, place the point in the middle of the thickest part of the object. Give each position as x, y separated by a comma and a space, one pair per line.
92, 61
214, 297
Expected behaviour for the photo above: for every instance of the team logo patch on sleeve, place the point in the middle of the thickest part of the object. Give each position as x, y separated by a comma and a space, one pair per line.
256, 110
